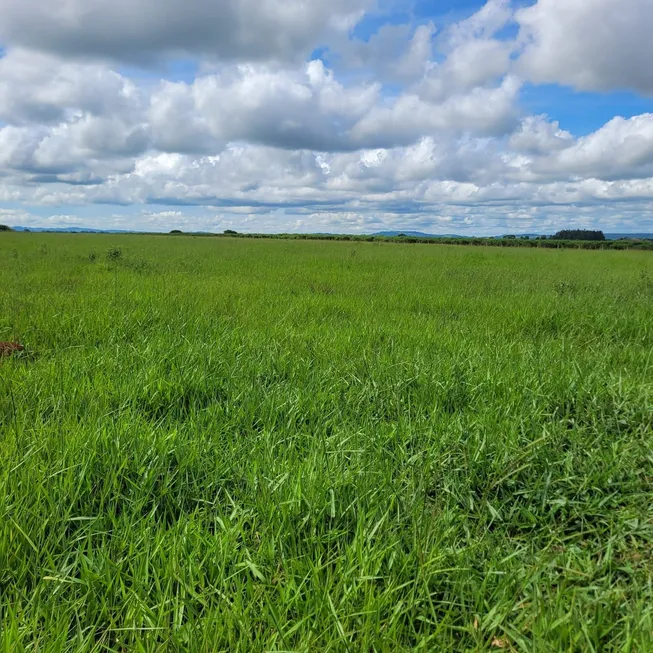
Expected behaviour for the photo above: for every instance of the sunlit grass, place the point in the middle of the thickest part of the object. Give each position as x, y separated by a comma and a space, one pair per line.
240, 445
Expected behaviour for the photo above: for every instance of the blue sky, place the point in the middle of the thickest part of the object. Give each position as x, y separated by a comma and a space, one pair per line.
582, 112
352, 116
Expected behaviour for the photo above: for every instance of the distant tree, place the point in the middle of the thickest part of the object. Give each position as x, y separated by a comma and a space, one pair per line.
510, 236
176, 231
230, 232
4, 227
578, 234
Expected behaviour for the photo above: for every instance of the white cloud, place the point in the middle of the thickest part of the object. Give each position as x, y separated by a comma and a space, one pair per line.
472, 57
484, 111
395, 53
86, 144
483, 24
290, 109
445, 177
44, 89
13, 217
593, 45
310, 109
147, 30
472, 64
536, 135
176, 124
304, 109
620, 149
418, 127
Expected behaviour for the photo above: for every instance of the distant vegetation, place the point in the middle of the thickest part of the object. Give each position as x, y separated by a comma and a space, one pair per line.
231, 444
4, 227
553, 242
565, 239
578, 234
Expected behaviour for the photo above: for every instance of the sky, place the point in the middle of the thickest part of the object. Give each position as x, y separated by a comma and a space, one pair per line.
346, 116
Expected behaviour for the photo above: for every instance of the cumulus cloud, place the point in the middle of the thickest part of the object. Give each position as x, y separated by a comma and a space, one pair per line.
620, 149
103, 145
417, 126
593, 45
470, 65
176, 124
43, 89
147, 30
395, 53
472, 58
290, 109
483, 111
537, 135
310, 109
483, 24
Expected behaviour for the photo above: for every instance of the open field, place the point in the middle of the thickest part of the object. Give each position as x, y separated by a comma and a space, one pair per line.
250, 445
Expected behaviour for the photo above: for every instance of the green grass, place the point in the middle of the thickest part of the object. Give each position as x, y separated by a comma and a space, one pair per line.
270, 445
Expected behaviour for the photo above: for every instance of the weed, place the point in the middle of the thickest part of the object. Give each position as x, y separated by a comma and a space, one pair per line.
114, 253
564, 288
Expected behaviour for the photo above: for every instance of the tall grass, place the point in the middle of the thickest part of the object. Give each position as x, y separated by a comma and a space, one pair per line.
247, 445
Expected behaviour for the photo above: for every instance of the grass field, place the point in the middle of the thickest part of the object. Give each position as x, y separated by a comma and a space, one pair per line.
266, 445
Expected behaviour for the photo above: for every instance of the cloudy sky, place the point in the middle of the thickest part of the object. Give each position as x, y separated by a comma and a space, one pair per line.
445, 116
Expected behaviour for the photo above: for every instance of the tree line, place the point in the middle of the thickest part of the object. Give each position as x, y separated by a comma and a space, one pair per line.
557, 241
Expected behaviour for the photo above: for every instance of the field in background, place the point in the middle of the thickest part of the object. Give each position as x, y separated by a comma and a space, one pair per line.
243, 445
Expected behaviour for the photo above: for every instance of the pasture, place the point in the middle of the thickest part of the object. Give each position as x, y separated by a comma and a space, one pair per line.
271, 445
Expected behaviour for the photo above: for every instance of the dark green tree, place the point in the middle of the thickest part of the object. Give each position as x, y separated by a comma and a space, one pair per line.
578, 234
